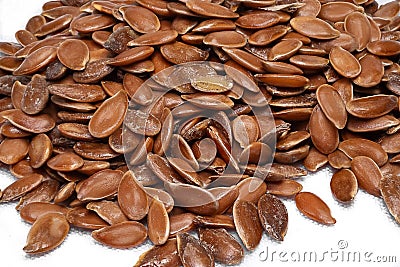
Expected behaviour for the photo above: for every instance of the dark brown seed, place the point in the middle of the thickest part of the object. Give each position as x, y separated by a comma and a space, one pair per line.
332, 105
273, 216
132, 198
223, 246
247, 223
344, 185
314, 208
47, 233
324, 134
368, 174
21, 187
178, 53
121, 235
192, 252
65, 162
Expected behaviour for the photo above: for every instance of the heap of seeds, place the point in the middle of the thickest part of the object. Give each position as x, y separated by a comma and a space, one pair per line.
86, 132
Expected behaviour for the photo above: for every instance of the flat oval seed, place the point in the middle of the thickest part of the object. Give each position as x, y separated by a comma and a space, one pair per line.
109, 211
155, 38
230, 39
258, 20
273, 216
178, 53
84, 218
35, 96
390, 190
64, 162
224, 247
47, 233
372, 71
314, 208
163, 256
368, 174
283, 80
141, 123
344, 62
344, 185
268, 35
121, 235
314, 28
332, 105
292, 139
384, 48
315, 160
247, 223
40, 150
284, 188
324, 134
94, 71
74, 54
337, 11
192, 252
100, 185
210, 9
371, 125
92, 23
132, 198
357, 23
21, 187
131, 56
363, 147
140, 19
109, 116
210, 101
213, 25
31, 211
158, 223
37, 60
245, 59
370, 107
12, 150
83, 93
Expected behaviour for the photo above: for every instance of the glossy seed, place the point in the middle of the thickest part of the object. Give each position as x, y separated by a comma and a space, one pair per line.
268, 35
371, 73
314, 208
384, 48
362, 147
47, 233
258, 20
37, 60
13, 150
210, 9
283, 80
132, 198
140, 19
74, 54
121, 235
65, 162
284, 188
84, 218
390, 192
164, 255
284, 50
158, 223
21, 187
155, 38
31, 211
224, 247
356, 23
324, 134
179, 53
344, 185
40, 150
370, 107
314, 160
332, 105
84, 93
344, 62
314, 28
368, 174
247, 223
192, 252
230, 39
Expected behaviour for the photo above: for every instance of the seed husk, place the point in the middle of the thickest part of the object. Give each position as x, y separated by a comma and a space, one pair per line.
314, 208
46, 233
121, 235
344, 185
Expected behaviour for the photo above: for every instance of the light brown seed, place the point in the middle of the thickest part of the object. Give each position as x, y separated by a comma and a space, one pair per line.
292, 139
293, 155
245, 130
21, 187
332, 105
37, 60
258, 20
92, 23
85, 93
371, 125
368, 174
247, 223
74, 54
337, 11
268, 35
140, 19
223, 245
344, 185
132, 198
315, 160
210, 9
372, 71
356, 23
121, 235
339, 160
284, 188
384, 48
363, 147
389, 187
131, 56
284, 49
324, 134
314, 208
283, 80
370, 107
31, 211
192, 252
245, 59
213, 25
314, 28
158, 223
273, 216
181, 223
47, 233
155, 38
141, 123
344, 62
40, 150
163, 256
65, 192
13, 150
229, 39
210, 101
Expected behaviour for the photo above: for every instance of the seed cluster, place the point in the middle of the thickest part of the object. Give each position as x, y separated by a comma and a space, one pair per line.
151, 119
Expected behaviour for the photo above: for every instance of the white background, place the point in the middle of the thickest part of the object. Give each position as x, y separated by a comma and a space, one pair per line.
364, 226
